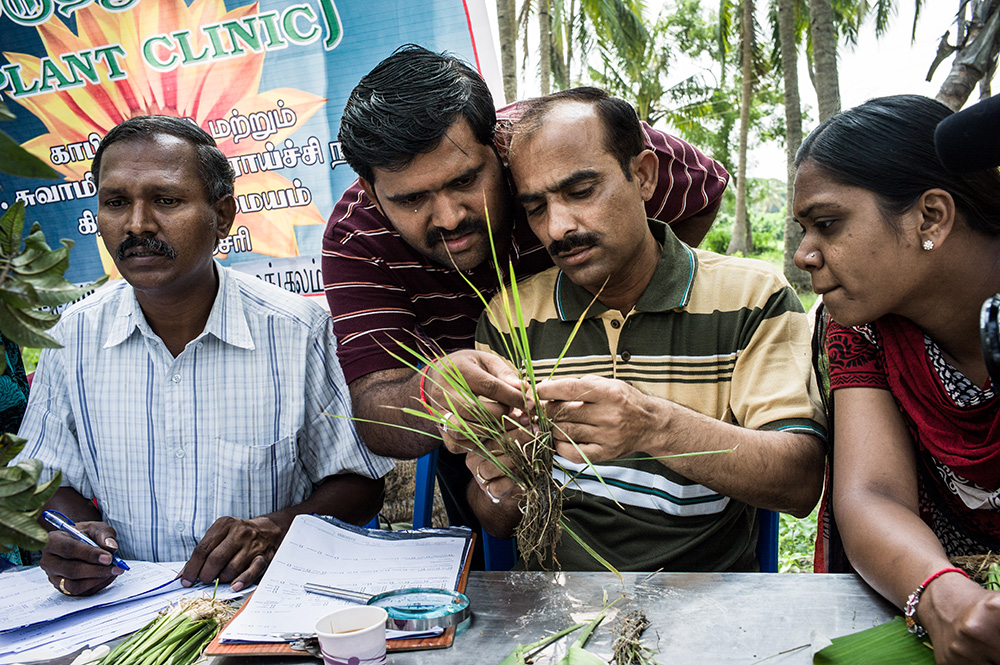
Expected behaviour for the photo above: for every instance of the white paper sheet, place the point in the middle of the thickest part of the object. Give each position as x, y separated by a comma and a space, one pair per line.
27, 597
72, 623
90, 628
317, 551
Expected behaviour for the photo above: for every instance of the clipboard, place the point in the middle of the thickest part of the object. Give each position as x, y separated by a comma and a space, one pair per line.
442, 641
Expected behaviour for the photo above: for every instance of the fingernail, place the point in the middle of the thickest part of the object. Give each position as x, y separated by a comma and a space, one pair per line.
117, 571
104, 559
236, 586
186, 582
110, 542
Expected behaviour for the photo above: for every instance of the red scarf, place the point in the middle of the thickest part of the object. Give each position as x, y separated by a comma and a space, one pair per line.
967, 439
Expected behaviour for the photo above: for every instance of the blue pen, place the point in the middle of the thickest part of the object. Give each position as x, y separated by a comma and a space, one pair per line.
63, 523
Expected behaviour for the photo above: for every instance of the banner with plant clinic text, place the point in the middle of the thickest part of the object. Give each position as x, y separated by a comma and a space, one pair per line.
267, 79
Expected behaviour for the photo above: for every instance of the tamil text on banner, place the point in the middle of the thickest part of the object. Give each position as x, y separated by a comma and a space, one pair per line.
268, 80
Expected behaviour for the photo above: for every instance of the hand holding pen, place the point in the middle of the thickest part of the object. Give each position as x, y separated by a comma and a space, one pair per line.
77, 565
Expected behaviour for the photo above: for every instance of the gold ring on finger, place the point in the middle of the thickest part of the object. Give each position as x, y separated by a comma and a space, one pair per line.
479, 474
62, 586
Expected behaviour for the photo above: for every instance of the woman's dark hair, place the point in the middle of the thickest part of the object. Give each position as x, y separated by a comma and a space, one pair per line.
623, 137
404, 106
886, 146
216, 173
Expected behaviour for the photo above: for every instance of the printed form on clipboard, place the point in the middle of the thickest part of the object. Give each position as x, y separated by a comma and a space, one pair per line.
324, 550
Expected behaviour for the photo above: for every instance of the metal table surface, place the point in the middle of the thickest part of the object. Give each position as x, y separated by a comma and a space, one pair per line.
697, 618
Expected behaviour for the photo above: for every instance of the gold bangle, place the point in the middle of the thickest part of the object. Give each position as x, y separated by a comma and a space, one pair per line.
479, 475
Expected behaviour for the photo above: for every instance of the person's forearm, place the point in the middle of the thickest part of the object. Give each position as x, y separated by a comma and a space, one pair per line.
779, 471
379, 400
887, 542
348, 497
73, 505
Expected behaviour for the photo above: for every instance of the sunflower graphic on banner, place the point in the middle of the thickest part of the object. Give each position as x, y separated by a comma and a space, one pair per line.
268, 80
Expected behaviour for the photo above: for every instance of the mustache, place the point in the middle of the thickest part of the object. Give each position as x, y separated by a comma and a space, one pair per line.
571, 242
148, 242
465, 227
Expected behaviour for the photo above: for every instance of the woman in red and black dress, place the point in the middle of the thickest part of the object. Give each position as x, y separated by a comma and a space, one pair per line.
904, 253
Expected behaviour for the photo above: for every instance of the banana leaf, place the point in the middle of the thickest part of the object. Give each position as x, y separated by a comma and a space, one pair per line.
888, 644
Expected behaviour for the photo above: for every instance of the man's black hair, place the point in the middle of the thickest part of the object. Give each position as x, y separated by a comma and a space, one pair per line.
404, 106
216, 173
623, 137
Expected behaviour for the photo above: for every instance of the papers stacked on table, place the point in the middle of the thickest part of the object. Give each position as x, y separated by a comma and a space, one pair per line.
37, 622
329, 552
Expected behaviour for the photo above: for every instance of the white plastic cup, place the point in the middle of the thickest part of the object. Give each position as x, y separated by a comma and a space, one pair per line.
353, 636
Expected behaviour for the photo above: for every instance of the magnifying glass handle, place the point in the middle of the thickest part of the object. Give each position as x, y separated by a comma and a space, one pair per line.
335, 592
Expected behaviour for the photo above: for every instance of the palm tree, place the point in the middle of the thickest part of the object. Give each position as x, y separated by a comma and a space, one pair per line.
787, 18
569, 29
507, 29
544, 46
824, 50
742, 238
977, 42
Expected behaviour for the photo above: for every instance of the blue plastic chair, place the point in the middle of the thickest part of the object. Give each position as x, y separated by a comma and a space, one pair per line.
498, 553
767, 541
423, 490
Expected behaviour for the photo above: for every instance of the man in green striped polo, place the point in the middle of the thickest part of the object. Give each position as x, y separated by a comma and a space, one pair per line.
680, 351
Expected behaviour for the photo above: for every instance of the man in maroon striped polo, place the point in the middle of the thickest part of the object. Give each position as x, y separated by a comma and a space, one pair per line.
405, 242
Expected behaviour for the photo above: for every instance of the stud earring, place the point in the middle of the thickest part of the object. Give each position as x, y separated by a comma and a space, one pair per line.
928, 245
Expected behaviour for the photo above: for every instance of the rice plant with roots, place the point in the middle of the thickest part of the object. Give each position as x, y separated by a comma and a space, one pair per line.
521, 447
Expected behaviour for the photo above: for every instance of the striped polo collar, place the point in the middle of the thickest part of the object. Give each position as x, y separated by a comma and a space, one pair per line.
226, 321
669, 289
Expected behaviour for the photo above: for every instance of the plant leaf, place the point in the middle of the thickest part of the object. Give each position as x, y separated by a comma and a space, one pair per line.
16, 479
522, 652
5, 113
11, 228
604, 562
10, 446
31, 500
888, 644
18, 161
577, 655
21, 529
25, 333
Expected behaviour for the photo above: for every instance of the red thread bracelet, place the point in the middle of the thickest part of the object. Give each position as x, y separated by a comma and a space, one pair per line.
910, 610
423, 394
942, 572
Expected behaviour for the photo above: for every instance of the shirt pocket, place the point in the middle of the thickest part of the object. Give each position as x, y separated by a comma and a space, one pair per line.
254, 480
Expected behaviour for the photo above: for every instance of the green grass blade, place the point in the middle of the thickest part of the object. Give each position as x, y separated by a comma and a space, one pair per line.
572, 335
597, 557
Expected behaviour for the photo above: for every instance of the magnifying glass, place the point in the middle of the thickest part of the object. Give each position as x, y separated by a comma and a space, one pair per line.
415, 608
